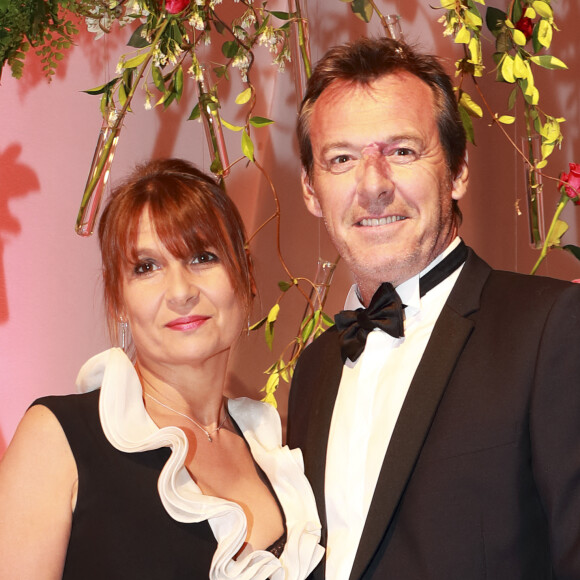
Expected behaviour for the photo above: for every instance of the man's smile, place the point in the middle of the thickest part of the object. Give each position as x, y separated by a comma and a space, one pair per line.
372, 222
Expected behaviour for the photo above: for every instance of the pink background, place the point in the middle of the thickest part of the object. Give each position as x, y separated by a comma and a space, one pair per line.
51, 317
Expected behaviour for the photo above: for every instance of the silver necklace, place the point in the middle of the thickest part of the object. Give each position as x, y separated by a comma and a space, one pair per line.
207, 433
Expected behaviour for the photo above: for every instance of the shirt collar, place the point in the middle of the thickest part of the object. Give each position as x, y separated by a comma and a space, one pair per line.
409, 290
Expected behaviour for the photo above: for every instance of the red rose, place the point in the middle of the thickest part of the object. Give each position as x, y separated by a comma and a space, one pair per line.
526, 25
572, 180
175, 6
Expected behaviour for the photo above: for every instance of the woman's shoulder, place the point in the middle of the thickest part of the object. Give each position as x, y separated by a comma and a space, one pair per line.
70, 402
77, 414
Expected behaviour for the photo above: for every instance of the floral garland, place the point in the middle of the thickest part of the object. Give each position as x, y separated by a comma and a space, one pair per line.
522, 35
164, 44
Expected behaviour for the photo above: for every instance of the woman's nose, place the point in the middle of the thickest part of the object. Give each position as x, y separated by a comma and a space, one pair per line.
181, 286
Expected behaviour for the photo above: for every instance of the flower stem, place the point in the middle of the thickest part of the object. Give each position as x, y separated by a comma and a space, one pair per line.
303, 41
548, 241
116, 128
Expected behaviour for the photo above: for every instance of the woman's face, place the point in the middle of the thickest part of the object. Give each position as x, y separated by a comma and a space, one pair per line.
181, 312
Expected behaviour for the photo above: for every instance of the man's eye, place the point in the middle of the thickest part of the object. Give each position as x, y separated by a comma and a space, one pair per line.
340, 159
204, 258
145, 267
404, 152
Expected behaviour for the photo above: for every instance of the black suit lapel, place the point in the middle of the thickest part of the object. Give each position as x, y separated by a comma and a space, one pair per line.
325, 380
427, 387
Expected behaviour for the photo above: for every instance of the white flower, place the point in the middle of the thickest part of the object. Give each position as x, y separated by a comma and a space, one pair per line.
196, 71
196, 21
94, 26
248, 18
242, 62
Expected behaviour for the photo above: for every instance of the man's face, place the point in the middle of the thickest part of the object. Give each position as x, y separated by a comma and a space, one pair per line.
380, 178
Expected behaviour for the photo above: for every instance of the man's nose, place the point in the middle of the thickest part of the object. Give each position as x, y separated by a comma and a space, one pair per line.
181, 286
374, 179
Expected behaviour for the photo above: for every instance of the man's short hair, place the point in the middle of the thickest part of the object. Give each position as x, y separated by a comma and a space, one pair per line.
365, 60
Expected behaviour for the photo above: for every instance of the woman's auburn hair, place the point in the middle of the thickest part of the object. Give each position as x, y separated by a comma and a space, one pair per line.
190, 212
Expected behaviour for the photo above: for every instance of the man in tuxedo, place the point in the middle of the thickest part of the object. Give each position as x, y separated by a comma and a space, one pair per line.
439, 421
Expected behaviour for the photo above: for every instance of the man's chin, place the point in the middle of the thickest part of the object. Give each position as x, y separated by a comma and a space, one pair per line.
376, 268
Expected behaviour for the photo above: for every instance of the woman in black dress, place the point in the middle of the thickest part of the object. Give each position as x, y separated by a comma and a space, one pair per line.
151, 472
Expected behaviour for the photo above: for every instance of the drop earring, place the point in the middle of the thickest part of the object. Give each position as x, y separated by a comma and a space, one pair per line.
123, 335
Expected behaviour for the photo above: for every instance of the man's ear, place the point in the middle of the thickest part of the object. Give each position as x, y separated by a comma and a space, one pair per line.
459, 187
310, 197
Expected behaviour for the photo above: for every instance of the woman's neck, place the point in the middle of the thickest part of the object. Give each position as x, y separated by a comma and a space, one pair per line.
196, 392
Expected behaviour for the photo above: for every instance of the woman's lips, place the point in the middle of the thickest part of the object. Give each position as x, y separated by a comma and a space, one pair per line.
187, 322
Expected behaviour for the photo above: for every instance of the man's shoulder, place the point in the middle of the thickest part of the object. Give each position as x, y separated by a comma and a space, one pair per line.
512, 287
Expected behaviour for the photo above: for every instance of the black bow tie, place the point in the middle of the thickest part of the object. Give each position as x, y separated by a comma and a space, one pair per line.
385, 310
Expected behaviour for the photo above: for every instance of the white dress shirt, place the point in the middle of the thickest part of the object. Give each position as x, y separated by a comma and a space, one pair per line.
369, 400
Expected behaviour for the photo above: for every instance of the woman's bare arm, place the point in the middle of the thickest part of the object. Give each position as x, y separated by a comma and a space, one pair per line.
38, 482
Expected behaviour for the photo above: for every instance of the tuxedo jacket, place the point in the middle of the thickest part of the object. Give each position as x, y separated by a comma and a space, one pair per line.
481, 479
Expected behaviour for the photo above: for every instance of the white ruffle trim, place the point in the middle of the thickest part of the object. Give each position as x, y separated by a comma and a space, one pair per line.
129, 428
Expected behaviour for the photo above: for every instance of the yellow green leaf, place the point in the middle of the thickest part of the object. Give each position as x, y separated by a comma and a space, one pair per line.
463, 36
520, 69
260, 121
271, 400
551, 131
530, 13
506, 119
560, 228
547, 149
135, 61
257, 325
543, 9
448, 4
284, 374
471, 19
307, 329
230, 126
475, 52
273, 314
244, 96
548, 61
247, 146
122, 95
272, 382
545, 33
507, 69
470, 105
519, 37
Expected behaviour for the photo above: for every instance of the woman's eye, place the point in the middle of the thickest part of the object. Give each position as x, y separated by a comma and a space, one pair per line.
145, 267
204, 258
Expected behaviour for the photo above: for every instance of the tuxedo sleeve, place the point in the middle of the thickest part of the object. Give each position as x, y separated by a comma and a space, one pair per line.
555, 430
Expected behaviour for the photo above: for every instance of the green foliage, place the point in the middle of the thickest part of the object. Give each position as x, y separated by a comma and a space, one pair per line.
40, 25
523, 35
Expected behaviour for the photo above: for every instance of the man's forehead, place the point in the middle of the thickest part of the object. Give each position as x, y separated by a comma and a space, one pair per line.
391, 108
338, 89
